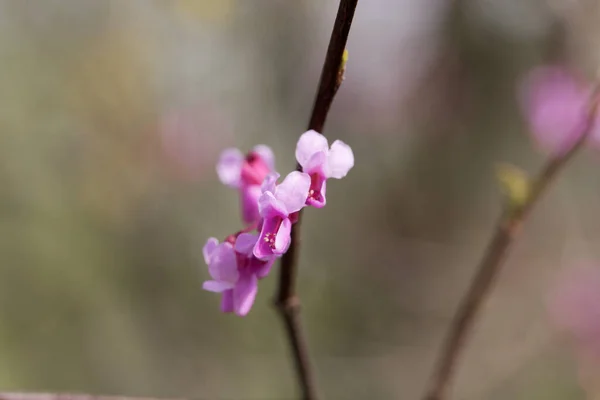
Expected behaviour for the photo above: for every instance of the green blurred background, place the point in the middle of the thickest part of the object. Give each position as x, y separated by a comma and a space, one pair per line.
113, 114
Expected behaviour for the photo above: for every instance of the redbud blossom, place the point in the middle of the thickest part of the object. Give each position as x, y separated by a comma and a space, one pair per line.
235, 272
556, 106
321, 162
246, 174
276, 204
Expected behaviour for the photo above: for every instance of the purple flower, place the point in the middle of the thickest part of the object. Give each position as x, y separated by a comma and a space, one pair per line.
555, 104
235, 272
246, 174
275, 205
321, 162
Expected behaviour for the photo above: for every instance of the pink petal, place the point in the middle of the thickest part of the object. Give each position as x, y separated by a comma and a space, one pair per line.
270, 207
266, 154
282, 239
310, 142
262, 268
316, 164
229, 167
209, 247
268, 184
223, 264
244, 294
340, 160
555, 106
293, 191
227, 301
245, 243
217, 286
249, 196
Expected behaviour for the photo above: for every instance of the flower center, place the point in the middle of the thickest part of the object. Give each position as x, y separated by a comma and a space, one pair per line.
316, 183
270, 237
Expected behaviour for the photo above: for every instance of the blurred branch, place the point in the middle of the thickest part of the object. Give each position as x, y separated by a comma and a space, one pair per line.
506, 233
287, 301
67, 396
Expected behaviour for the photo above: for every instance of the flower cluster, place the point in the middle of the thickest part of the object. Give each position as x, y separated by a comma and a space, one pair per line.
269, 209
556, 104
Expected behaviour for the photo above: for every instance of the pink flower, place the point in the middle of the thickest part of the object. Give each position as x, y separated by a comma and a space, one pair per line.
555, 104
321, 162
575, 308
235, 272
276, 204
246, 174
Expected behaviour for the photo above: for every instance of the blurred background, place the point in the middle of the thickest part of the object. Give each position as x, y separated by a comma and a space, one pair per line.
113, 114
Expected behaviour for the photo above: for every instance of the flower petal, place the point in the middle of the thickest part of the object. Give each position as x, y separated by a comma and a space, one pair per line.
266, 154
316, 164
223, 264
209, 247
229, 167
270, 207
217, 286
262, 268
282, 239
245, 243
293, 191
227, 301
268, 184
339, 160
249, 202
555, 106
310, 142
244, 294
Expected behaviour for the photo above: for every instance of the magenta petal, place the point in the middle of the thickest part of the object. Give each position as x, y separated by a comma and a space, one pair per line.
209, 247
268, 184
270, 207
316, 164
229, 167
223, 264
266, 154
227, 301
217, 286
310, 142
339, 160
249, 196
318, 199
262, 268
282, 239
244, 294
245, 243
555, 106
262, 249
293, 191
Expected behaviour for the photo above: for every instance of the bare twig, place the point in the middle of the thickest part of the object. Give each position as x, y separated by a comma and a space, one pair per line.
506, 232
287, 301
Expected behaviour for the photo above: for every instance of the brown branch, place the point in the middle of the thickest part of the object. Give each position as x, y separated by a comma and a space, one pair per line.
507, 231
287, 301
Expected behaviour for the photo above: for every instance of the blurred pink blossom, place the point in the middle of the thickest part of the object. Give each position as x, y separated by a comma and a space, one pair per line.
555, 103
575, 308
246, 174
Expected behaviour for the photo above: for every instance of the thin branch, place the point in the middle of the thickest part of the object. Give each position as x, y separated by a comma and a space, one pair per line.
287, 301
506, 232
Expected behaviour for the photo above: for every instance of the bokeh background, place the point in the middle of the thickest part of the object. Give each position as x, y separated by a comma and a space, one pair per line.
113, 114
